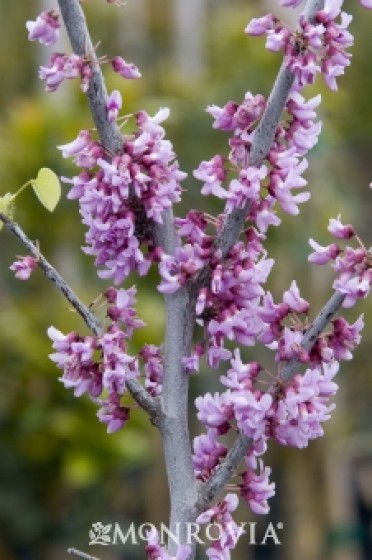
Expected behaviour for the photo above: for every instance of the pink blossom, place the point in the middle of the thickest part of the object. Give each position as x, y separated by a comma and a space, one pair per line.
259, 26
80, 144
74, 355
256, 488
62, 67
45, 29
277, 40
290, 3
304, 407
366, 4
215, 411
340, 231
224, 118
113, 414
246, 188
156, 552
127, 70
240, 377
192, 363
24, 267
229, 531
322, 255
289, 346
354, 287
345, 338
113, 105
153, 368
207, 453
121, 309
294, 301
212, 173
252, 410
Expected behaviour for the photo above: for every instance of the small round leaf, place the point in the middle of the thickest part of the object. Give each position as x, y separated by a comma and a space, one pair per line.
47, 188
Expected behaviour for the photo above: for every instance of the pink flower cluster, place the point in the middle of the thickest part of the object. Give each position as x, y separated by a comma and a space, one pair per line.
228, 531
45, 29
24, 267
281, 174
291, 414
101, 364
314, 47
352, 265
65, 67
120, 196
155, 551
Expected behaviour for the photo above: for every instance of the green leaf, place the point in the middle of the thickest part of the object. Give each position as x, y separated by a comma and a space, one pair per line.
7, 207
47, 188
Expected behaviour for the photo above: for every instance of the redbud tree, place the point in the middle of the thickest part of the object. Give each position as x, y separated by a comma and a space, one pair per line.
213, 269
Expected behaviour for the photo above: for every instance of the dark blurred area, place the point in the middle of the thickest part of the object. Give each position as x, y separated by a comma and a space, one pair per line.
59, 470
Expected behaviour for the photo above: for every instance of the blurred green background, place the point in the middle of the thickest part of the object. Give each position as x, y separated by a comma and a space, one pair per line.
59, 470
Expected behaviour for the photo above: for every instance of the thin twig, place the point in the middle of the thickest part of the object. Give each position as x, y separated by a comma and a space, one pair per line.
140, 395
80, 554
50, 272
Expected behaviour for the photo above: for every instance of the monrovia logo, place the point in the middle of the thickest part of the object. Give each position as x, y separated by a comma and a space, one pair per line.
112, 534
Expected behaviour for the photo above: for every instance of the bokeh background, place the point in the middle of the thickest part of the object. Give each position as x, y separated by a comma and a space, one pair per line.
59, 470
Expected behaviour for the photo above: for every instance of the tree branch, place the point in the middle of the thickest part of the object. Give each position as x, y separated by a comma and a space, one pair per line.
109, 133
180, 306
76, 26
140, 395
50, 272
263, 138
80, 554
241, 446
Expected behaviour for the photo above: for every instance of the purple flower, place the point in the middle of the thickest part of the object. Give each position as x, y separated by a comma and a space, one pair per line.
215, 411
247, 188
256, 489
24, 267
229, 532
289, 346
294, 301
340, 231
153, 368
45, 29
290, 3
212, 173
207, 454
252, 410
113, 105
77, 146
156, 552
127, 70
322, 255
353, 287
122, 309
74, 355
345, 338
118, 366
304, 406
259, 26
62, 67
113, 414
240, 377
